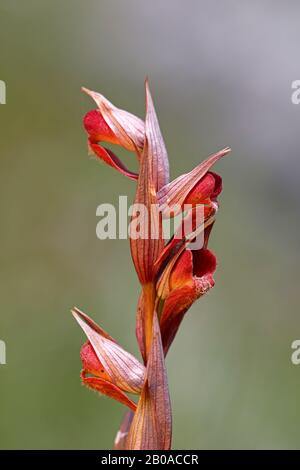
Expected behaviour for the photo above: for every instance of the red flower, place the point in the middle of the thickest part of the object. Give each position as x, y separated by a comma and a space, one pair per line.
107, 367
113, 125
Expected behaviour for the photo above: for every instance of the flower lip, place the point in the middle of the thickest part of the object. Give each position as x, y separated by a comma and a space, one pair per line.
218, 186
90, 362
206, 190
97, 128
204, 262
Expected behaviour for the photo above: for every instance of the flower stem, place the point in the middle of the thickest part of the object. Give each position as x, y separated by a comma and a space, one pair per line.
149, 301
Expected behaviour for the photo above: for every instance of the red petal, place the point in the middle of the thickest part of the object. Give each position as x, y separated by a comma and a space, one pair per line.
208, 188
190, 278
198, 221
151, 428
182, 273
109, 389
91, 363
96, 127
176, 305
204, 262
111, 159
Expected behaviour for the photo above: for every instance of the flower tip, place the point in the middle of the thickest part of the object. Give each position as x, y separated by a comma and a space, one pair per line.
97, 97
81, 317
75, 312
226, 150
86, 90
148, 97
72, 311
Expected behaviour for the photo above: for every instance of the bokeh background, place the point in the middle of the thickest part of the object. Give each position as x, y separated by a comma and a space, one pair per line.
220, 74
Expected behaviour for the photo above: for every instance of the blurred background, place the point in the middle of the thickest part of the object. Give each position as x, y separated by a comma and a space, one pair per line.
220, 74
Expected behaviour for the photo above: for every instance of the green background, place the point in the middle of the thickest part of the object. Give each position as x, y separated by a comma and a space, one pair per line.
220, 74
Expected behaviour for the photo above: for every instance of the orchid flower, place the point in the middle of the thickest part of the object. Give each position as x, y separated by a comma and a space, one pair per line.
172, 275
112, 125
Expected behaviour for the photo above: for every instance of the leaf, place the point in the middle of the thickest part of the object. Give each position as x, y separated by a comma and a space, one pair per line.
146, 248
156, 145
151, 428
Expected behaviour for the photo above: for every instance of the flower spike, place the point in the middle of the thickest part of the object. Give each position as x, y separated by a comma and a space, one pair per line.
173, 274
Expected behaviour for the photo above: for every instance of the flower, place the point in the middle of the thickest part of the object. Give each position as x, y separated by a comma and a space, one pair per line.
190, 278
113, 125
107, 367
